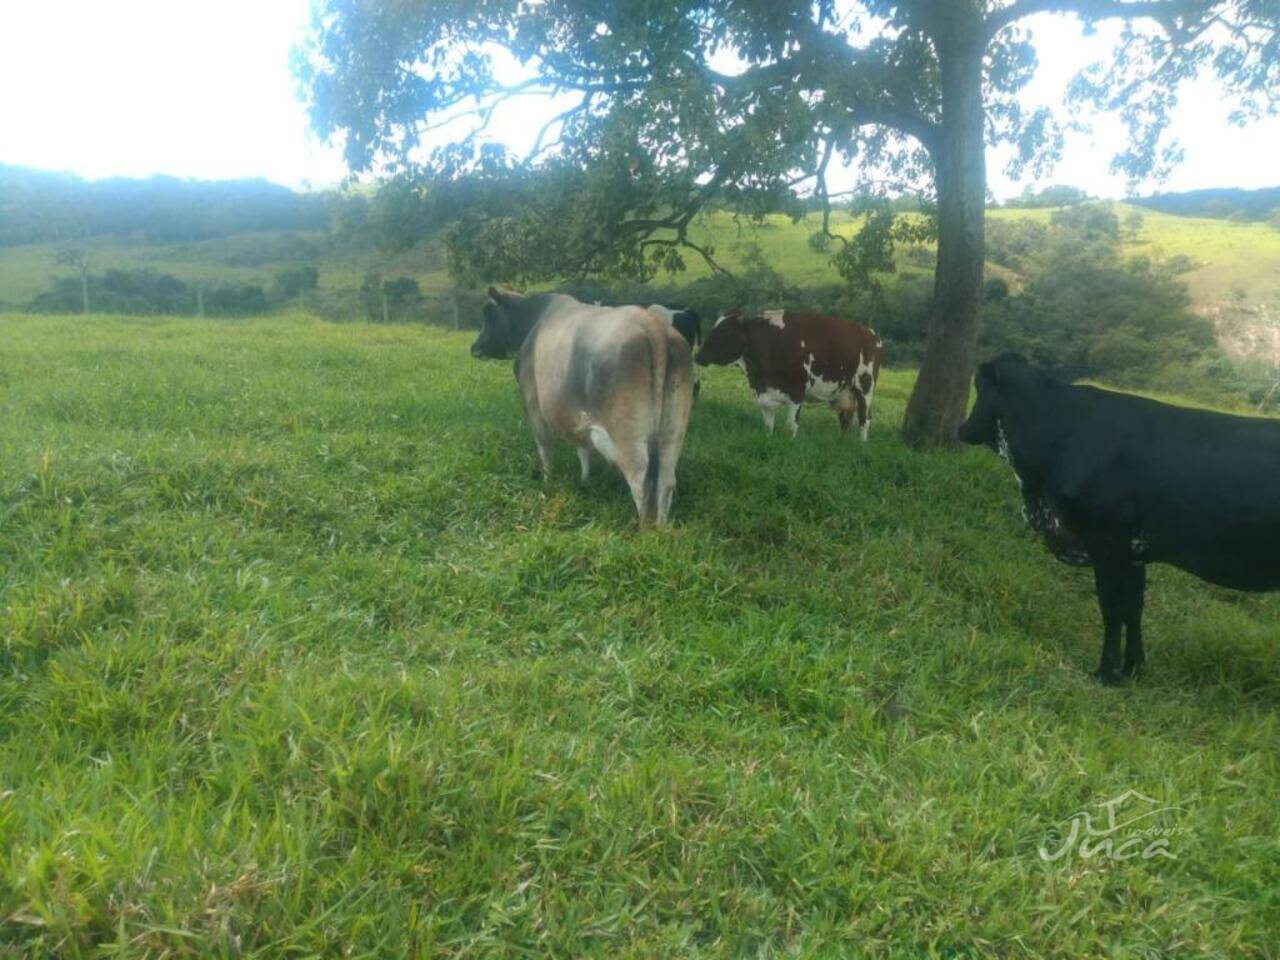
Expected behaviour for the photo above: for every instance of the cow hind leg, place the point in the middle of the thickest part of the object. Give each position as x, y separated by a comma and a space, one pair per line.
1134, 656
543, 439
1120, 586
542, 436
767, 411
793, 418
632, 461
677, 402
584, 461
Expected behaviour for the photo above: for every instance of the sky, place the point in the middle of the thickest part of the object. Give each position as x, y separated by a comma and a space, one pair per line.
201, 89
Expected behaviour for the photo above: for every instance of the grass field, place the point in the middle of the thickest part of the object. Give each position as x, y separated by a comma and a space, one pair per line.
300, 657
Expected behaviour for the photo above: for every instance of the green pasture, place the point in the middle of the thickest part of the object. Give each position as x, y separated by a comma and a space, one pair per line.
299, 656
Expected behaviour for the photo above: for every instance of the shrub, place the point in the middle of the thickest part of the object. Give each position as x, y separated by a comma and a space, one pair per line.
919, 255
234, 299
135, 292
1011, 243
291, 282
1093, 221
995, 290
390, 300
1083, 313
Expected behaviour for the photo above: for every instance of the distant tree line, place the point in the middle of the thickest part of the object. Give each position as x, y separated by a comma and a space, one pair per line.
149, 292
41, 207
1057, 195
1221, 203
1225, 203
144, 292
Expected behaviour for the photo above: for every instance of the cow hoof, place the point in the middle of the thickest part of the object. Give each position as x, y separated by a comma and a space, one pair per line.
1108, 678
1133, 670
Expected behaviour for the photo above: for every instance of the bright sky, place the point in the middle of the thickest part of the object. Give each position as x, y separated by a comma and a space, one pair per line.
203, 89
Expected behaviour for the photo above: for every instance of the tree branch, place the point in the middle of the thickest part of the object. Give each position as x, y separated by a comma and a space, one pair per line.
911, 124
1164, 12
560, 118
821, 190
679, 221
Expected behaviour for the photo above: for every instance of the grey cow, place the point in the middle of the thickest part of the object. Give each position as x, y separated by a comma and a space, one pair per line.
616, 379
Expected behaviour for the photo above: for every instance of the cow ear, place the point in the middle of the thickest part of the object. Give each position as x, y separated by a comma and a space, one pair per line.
496, 295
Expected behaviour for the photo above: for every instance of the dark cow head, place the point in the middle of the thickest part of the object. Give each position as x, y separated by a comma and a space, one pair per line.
726, 343
506, 324
994, 382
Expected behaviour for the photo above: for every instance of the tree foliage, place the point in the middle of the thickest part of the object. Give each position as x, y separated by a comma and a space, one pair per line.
745, 104
1084, 312
669, 107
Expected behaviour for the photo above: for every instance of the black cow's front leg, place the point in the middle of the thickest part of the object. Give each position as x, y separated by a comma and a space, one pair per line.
1120, 584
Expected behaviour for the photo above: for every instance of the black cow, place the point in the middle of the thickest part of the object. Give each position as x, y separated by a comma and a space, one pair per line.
1117, 482
686, 322
689, 325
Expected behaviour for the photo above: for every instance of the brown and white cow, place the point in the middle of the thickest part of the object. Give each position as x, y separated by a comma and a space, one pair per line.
792, 357
615, 379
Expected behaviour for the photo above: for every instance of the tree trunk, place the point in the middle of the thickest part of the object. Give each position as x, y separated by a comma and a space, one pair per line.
941, 396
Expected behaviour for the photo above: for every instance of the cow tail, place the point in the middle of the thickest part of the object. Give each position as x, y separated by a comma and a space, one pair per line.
658, 386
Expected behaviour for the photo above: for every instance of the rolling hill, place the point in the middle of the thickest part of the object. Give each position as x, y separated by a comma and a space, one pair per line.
1236, 262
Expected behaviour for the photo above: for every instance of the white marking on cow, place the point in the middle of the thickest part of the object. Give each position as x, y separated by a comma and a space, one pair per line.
770, 399
816, 388
774, 317
601, 440
793, 414
1002, 448
1002, 443
721, 319
869, 368
666, 313
773, 397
